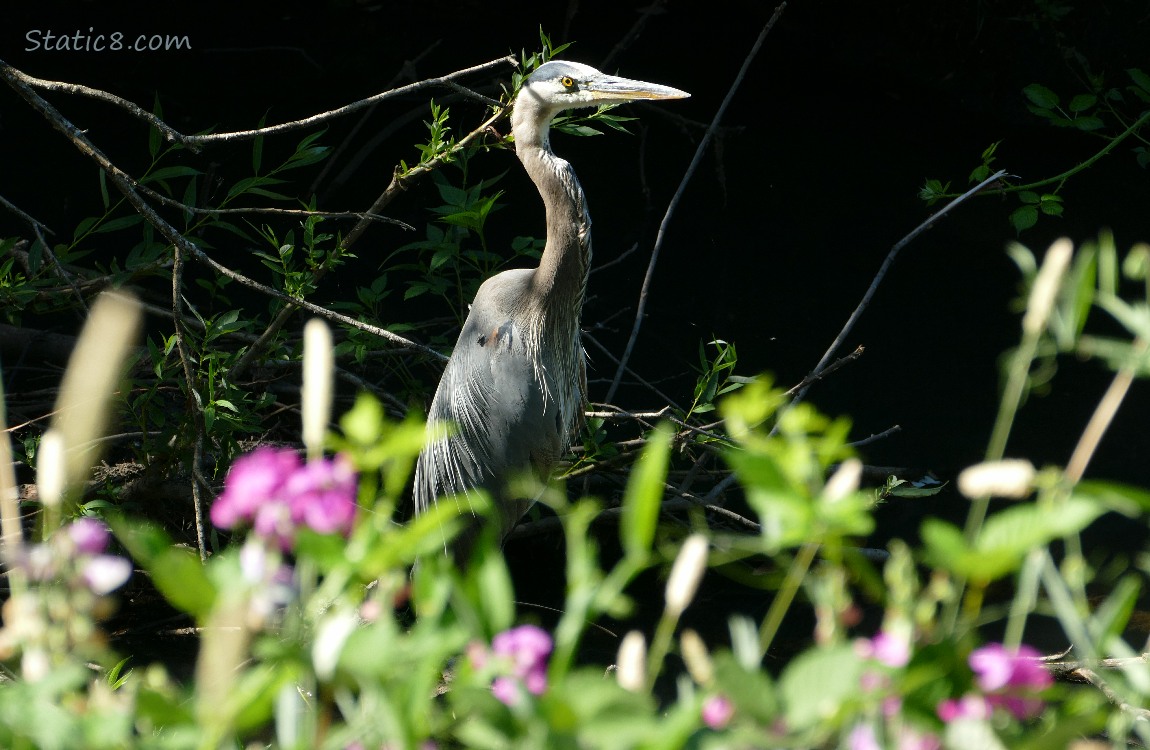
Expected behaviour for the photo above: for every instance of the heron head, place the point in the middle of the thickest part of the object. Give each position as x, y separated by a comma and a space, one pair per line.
558, 85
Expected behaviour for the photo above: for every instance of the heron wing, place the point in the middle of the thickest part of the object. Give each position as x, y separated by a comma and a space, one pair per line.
503, 423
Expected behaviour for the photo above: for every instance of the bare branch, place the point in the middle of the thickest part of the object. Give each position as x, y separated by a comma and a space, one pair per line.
447, 81
703, 143
127, 186
361, 216
881, 274
196, 142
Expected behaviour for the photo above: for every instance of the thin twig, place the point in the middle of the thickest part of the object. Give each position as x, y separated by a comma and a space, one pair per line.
446, 81
195, 402
695, 161
399, 183
170, 133
664, 397
621, 414
39, 228
127, 186
407, 70
881, 274
617, 259
875, 438
359, 215
832, 367
1136, 712
196, 142
645, 14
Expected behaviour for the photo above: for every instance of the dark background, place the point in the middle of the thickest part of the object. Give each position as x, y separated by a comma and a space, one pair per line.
843, 115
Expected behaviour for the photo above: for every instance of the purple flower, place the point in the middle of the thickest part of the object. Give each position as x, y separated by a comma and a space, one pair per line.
89, 535
1010, 677
524, 650
253, 481
717, 711
322, 495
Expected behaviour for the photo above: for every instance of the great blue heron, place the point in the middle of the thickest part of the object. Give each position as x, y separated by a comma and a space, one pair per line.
515, 383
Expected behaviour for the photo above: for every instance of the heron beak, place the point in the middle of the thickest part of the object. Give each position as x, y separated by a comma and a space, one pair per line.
612, 88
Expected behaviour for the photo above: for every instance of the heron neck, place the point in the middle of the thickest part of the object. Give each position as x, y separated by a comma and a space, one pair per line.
561, 278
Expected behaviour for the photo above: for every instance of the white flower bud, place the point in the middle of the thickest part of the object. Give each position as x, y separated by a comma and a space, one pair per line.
696, 657
1045, 289
330, 637
317, 388
1011, 478
631, 662
686, 573
844, 481
50, 477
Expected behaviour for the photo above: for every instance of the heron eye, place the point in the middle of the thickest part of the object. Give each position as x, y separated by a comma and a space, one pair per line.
567, 82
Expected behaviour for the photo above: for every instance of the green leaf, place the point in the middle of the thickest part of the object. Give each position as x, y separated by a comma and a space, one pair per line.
84, 227
1111, 618
492, 587
1041, 96
120, 223
1121, 498
166, 173
305, 157
1088, 123
1140, 79
268, 194
176, 572
1024, 217
644, 494
1021, 528
104, 189
258, 148
817, 684
1135, 317
1083, 102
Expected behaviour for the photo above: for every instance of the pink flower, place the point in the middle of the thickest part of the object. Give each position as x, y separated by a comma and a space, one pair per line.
998, 668
969, 706
909, 739
891, 650
523, 651
1010, 678
717, 711
253, 481
89, 535
884, 648
103, 574
276, 493
322, 495
862, 737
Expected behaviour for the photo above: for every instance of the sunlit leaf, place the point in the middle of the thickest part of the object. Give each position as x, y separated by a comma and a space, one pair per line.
644, 494
817, 683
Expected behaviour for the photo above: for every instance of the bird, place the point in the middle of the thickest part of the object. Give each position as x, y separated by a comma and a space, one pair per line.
511, 395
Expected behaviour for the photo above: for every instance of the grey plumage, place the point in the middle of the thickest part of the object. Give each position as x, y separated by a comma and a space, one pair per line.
515, 384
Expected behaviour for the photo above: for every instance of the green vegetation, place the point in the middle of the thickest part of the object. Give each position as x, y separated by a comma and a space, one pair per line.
315, 632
